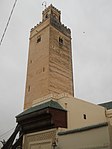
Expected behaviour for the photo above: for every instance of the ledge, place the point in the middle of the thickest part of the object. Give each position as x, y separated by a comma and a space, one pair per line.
83, 129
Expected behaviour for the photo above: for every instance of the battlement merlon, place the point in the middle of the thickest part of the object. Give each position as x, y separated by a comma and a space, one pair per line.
51, 16
51, 11
53, 22
61, 27
51, 7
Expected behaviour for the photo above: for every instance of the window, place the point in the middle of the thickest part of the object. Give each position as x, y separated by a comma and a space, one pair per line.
29, 88
46, 16
43, 69
38, 39
30, 61
60, 41
84, 116
65, 105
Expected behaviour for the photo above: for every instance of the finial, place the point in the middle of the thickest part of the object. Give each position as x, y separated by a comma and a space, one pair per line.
44, 4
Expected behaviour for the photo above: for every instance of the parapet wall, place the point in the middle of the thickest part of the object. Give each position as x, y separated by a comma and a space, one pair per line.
61, 27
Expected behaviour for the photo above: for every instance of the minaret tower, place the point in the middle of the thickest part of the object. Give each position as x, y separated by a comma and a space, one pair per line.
49, 68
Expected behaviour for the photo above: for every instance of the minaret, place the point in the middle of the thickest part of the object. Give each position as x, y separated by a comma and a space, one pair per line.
49, 68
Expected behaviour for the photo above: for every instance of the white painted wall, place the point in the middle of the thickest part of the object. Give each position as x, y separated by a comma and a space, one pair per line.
77, 108
92, 139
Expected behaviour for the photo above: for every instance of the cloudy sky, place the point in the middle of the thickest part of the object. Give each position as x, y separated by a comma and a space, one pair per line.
91, 25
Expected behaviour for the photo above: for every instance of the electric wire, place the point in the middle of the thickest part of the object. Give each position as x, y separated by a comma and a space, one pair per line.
8, 22
6, 132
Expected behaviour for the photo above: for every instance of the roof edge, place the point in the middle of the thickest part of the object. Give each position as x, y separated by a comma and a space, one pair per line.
83, 129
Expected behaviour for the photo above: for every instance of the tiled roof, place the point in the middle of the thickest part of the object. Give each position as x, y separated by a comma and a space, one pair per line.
49, 104
107, 105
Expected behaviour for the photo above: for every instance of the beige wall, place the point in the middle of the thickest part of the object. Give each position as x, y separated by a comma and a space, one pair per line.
92, 139
109, 116
37, 71
49, 63
77, 108
97, 138
39, 140
60, 63
40, 144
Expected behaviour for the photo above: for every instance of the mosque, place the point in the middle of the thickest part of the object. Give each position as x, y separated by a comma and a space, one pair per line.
53, 118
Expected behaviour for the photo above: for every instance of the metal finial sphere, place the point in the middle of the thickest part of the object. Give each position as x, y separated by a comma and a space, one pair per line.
44, 4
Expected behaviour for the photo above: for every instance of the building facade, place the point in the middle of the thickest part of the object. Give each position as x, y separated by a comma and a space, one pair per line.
53, 118
50, 58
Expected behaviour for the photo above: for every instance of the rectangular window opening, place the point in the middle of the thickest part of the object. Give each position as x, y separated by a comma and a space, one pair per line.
38, 39
60, 41
43, 69
29, 88
30, 61
84, 116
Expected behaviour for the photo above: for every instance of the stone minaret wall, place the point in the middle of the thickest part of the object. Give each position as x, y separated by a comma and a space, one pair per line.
50, 58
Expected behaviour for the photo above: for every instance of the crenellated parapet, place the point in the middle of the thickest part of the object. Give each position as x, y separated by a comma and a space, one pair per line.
52, 16
58, 25
49, 7
61, 27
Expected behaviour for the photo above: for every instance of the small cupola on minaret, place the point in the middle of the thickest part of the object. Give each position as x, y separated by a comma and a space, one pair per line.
51, 12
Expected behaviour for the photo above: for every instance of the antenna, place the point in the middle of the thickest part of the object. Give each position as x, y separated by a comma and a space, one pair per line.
44, 4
